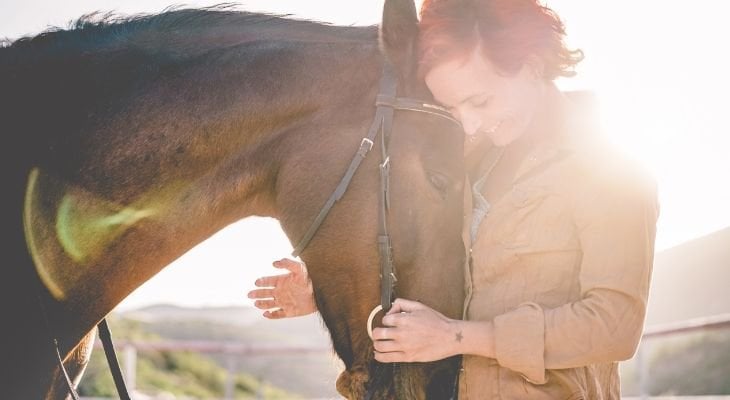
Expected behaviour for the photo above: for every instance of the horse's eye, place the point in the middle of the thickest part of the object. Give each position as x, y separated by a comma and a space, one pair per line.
439, 181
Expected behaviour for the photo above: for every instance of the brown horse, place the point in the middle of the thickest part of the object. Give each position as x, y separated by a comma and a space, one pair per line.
127, 142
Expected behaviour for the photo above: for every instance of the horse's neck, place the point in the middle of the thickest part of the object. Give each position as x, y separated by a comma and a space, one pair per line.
181, 164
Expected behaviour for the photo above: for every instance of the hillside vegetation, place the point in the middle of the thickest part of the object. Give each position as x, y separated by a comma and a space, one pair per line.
172, 374
203, 376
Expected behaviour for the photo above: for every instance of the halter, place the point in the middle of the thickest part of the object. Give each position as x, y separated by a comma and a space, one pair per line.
386, 103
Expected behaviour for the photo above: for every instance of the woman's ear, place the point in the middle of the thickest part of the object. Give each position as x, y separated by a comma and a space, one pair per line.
399, 36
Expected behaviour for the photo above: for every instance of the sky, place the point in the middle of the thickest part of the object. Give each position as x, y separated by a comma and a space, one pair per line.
657, 67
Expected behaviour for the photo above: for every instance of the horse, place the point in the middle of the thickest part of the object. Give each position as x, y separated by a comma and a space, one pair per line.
127, 141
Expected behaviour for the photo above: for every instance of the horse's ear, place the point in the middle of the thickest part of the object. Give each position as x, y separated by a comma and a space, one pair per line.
399, 36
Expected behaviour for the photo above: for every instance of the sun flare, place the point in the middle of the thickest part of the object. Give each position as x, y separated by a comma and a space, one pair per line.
660, 83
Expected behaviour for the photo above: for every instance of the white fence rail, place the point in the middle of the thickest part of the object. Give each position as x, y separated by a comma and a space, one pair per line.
129, 351
232, 349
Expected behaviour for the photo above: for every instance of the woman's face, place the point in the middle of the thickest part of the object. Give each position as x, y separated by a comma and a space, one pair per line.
488, 103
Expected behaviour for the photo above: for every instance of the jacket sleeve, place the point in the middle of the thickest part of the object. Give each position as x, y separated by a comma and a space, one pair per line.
615, 219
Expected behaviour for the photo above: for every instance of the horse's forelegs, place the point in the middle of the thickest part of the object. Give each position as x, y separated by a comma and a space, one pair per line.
75, 364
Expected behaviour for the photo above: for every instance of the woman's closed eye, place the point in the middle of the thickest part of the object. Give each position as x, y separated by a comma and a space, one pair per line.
480, 101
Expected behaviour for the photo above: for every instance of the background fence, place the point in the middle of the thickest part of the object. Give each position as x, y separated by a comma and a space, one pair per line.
232, 350
128, 352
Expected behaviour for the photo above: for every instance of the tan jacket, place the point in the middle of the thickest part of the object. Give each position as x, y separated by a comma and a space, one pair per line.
561, 264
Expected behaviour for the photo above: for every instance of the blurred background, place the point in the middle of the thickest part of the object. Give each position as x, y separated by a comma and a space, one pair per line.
660, 75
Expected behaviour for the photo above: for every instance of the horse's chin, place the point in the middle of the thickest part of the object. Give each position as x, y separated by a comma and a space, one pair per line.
351, 383
403, 381
371, 382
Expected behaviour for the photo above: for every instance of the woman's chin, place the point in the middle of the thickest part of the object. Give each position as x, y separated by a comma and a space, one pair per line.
472, 144
500, 138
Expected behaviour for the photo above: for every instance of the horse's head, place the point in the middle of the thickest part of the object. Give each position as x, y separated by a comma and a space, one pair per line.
424, 220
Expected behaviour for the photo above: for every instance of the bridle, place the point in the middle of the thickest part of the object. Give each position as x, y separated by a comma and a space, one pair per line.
386, 104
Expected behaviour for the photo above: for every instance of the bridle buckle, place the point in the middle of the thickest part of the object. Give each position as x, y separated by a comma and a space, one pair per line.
365, 146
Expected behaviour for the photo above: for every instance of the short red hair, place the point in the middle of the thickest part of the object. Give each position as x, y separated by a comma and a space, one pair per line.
509, 32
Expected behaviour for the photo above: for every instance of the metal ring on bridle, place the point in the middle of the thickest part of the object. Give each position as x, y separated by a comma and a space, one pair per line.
377, 308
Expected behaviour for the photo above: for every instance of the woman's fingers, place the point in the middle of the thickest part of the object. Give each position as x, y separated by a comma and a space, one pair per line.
265, 304
380, 334
291, 265
396, 320
384, 334
403, 305
391, 357
269, 281
261, 294
286, 295
275, 314
386, 346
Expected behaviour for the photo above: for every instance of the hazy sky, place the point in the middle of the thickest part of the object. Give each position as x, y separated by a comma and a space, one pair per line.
659, 69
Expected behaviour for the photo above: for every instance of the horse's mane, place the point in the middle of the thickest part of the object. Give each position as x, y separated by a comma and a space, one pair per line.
183, 32
77, 76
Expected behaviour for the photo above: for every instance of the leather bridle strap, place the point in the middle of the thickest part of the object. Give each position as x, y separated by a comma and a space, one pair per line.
382, 122
366, 144
67, 379
386, 103
111, 358
408, 104
385, 248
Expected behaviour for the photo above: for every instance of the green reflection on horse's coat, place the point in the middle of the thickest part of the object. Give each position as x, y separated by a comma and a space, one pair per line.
69, 229
85, 230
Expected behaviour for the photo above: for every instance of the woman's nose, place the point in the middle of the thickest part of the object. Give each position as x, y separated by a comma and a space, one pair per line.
471, 123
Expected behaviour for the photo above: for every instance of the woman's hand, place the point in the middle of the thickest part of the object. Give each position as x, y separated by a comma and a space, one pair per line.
415, 332
287, 295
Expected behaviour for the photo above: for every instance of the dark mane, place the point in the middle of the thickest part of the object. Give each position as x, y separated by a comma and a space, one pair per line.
182, 32
104, 62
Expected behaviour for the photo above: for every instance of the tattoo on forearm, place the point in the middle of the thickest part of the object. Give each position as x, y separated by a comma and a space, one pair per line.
459, 336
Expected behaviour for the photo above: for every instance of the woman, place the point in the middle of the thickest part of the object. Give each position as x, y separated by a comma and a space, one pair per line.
562, 229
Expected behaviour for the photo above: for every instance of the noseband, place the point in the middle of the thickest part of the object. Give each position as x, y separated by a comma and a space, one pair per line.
386, 104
